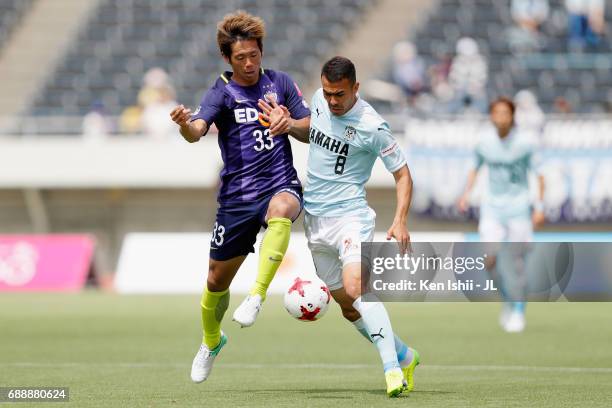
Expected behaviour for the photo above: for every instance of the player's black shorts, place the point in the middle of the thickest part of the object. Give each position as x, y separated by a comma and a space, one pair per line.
236, 226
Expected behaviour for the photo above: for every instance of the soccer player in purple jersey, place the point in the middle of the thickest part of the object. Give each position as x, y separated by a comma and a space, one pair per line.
260, 186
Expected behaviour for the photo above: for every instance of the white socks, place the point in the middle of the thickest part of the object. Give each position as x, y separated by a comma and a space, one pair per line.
377, 327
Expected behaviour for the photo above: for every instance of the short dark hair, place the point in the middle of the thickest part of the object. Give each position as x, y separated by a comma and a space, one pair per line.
338, 68
503, 100
237, 27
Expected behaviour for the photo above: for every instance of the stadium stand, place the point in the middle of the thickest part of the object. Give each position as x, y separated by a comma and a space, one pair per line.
125, 39
11, 12
554, 71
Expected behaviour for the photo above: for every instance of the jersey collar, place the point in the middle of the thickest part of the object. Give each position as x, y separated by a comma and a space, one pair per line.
227, 77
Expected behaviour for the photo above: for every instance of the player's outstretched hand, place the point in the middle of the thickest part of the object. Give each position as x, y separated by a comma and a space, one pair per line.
462, 204
538, 219
400, 233
181, 115
277, 116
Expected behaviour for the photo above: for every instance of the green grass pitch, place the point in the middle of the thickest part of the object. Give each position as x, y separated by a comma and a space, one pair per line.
136, 351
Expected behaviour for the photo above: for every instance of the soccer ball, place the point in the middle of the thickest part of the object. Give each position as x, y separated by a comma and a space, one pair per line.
307, 300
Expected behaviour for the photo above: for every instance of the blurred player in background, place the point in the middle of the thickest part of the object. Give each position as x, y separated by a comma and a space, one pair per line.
346, 137
260, 186
506, 211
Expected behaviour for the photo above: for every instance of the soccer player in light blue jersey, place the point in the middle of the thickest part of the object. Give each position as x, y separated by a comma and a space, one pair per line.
346, 137
506, 212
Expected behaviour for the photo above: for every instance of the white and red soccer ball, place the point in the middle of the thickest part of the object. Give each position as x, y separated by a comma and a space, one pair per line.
307, 300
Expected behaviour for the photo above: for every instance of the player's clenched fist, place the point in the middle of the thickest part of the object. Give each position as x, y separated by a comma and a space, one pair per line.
181, 115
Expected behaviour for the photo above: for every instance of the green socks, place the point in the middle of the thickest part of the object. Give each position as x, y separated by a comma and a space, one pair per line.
273, 248
214, 305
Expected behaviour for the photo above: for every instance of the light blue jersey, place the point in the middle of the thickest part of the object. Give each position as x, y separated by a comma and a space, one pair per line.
342, 152
509, 161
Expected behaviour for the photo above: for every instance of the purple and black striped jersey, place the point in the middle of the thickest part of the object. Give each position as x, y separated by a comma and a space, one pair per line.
255, 164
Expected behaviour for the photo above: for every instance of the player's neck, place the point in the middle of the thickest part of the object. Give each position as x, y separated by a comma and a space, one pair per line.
352, 105
245, 82
503, 133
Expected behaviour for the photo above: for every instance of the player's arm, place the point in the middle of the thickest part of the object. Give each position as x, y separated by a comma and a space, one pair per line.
281, 121
535, 165
191, 131
389, 151
538, 218
291, 118
463, 200
463, 203
299, 129
403, 188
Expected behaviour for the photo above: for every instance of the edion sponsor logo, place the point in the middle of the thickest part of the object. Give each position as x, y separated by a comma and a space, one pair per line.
18, 263
246, 115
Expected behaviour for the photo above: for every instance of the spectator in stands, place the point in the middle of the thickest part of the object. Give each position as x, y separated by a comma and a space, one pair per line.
155, 120
408, 70
529, 115
586, 23
153, 83
130, 120
439, 72
96, 125
468, 78
562, 106
155, 92
528, 16
438, 79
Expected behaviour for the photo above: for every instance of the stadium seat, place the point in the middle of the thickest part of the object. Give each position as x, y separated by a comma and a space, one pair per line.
124, 39
551, 72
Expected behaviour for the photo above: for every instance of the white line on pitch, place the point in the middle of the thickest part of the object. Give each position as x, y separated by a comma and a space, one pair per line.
314, 365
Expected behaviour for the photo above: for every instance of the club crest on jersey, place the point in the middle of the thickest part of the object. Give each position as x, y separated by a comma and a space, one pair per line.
271, 96
349, 133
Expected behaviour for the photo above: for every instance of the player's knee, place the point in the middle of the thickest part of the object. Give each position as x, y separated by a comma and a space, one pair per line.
281, 209
215, 280
352, 288
283, 206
